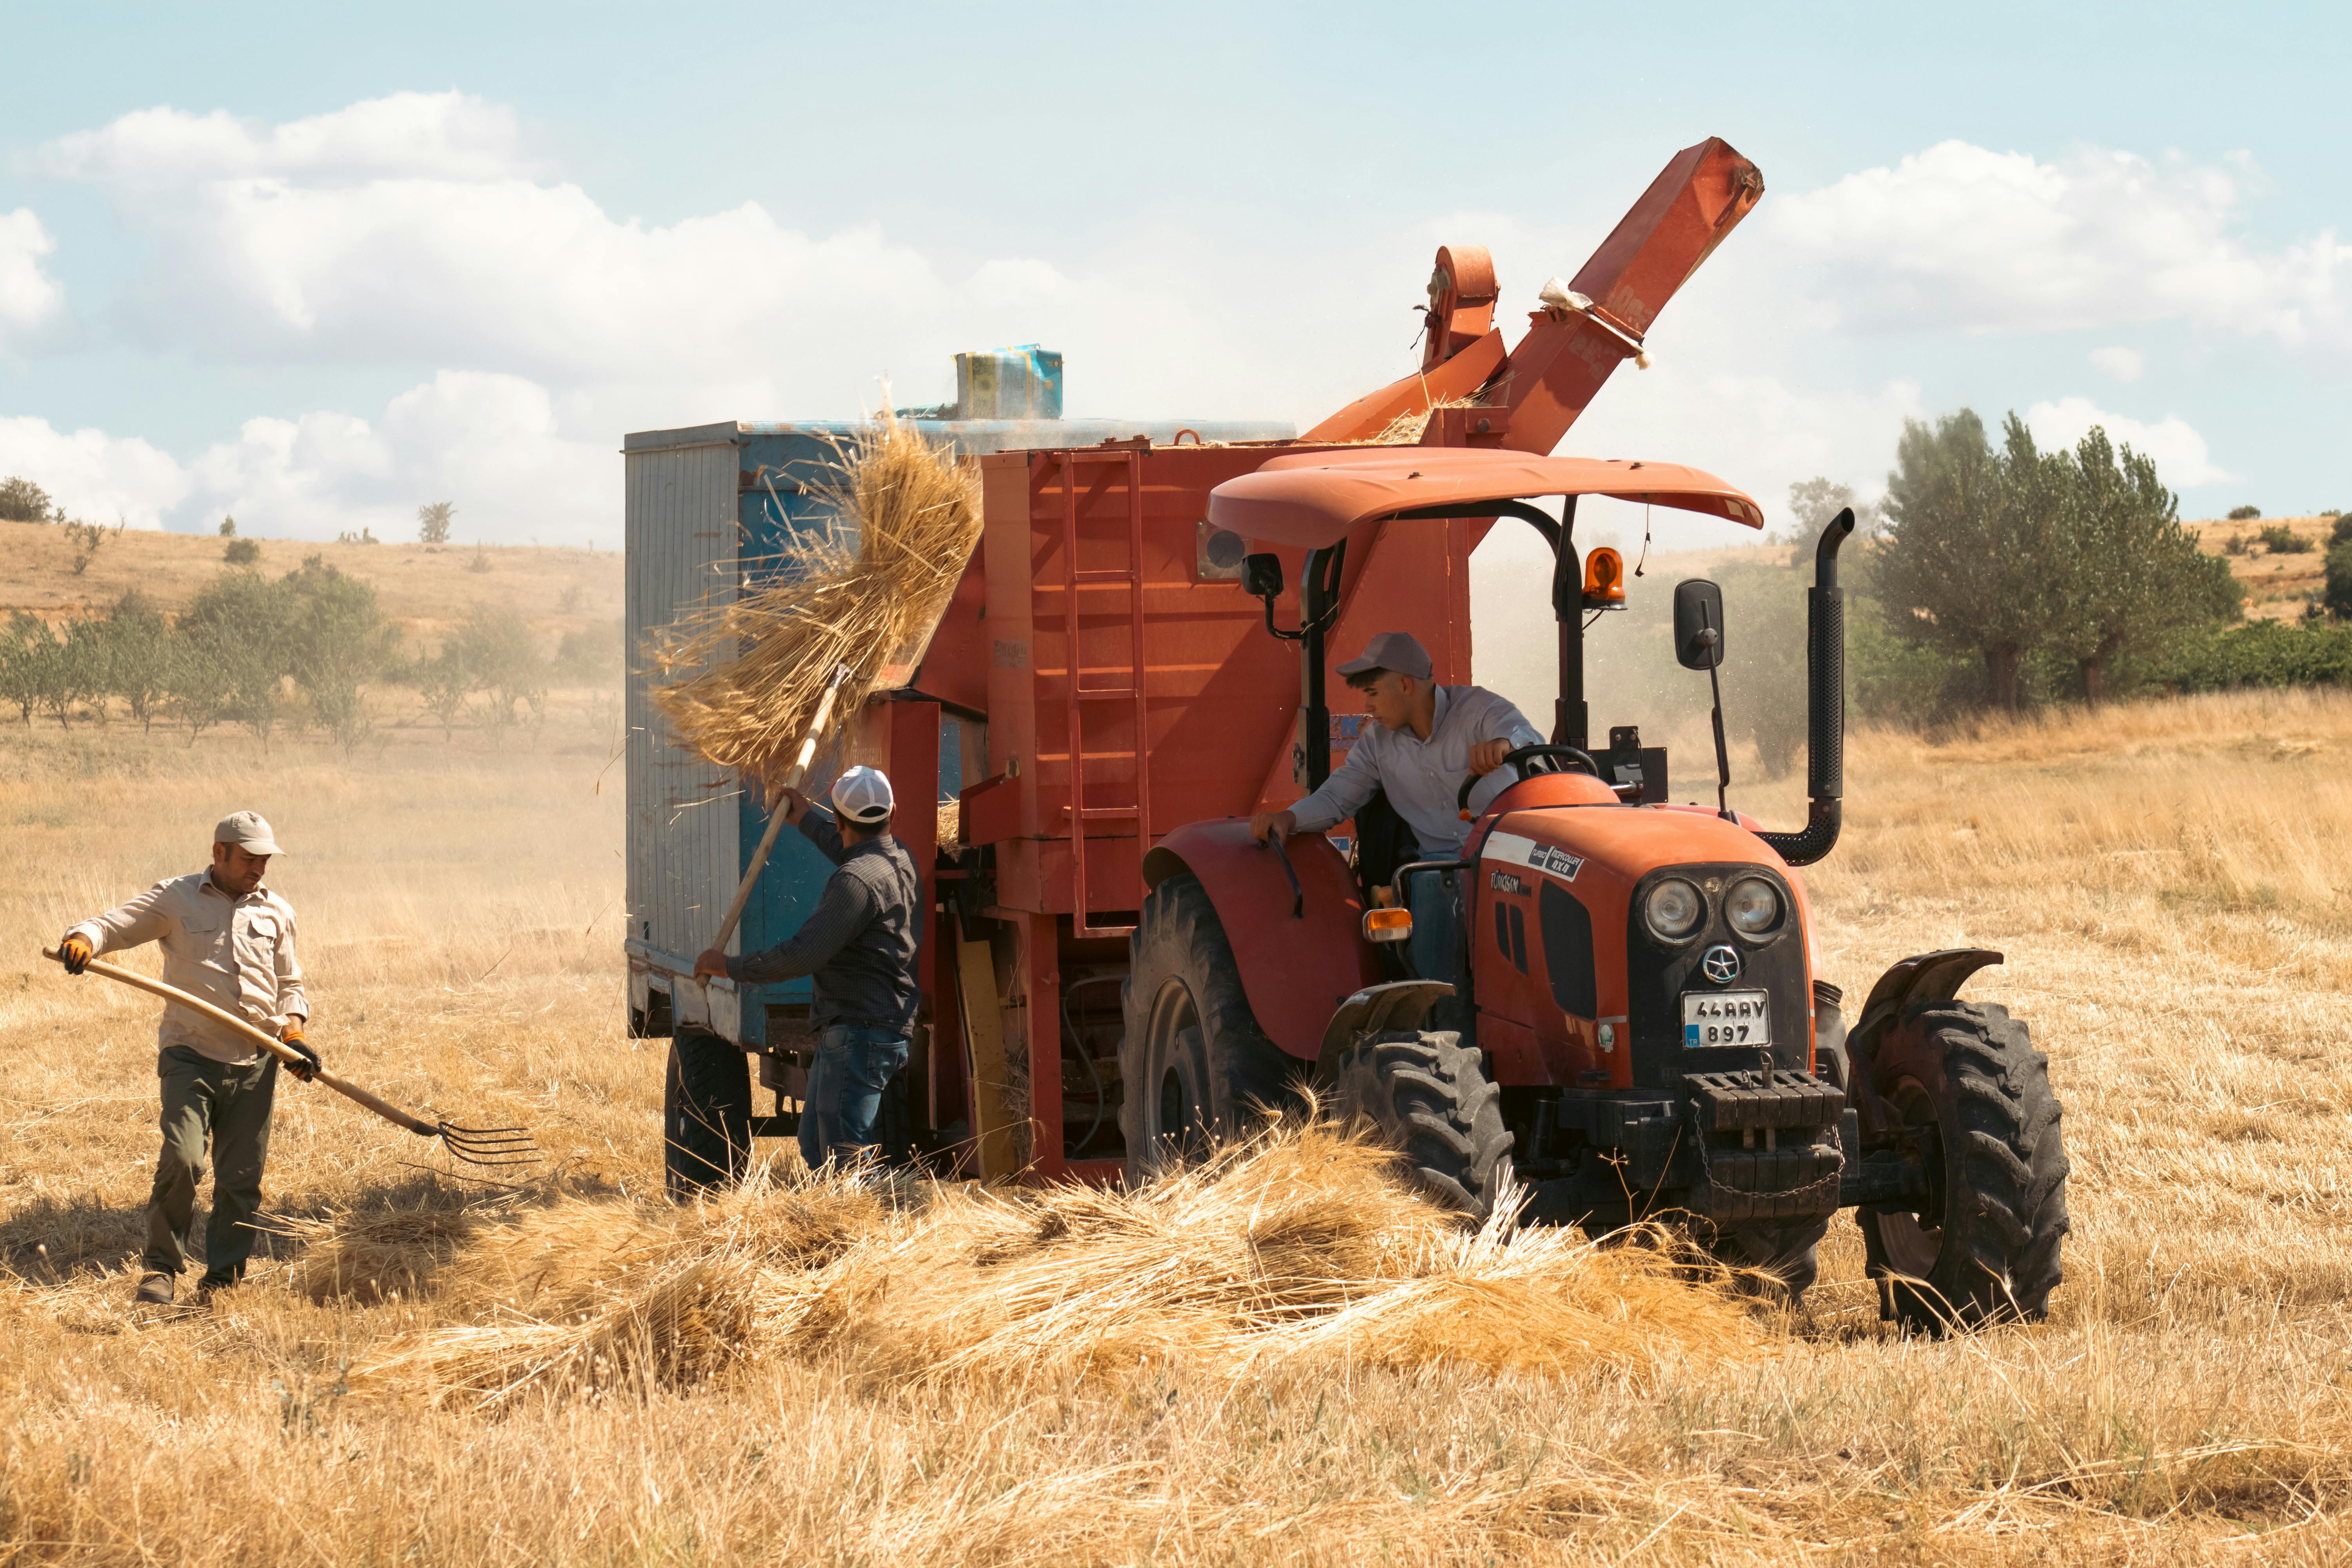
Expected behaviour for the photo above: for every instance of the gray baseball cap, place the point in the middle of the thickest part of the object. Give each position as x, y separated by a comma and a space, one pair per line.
246, 830
1399, 651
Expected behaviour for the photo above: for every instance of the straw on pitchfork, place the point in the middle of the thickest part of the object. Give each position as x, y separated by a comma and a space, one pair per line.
763, 664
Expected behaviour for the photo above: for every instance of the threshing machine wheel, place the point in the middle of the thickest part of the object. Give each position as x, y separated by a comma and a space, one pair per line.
1987, 1247
706, 1113
1429, 1096
1196, 1066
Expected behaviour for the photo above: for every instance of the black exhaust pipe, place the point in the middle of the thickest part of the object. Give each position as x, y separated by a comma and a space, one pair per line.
1825, 704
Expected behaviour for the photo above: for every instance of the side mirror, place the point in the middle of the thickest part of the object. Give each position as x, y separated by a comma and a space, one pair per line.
1698, 624
1261, 576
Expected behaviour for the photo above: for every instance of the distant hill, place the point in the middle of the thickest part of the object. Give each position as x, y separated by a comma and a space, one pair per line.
2276, 585
555, 588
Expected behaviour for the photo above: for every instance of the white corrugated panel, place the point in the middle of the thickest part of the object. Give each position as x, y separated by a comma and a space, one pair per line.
682, 834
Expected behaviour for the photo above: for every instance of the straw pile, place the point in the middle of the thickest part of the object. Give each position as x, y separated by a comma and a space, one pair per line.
749, 675
1299, 1250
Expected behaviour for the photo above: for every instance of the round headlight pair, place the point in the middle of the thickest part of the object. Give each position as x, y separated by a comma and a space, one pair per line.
1674, 908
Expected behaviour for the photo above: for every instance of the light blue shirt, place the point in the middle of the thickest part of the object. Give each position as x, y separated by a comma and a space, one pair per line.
1422, 777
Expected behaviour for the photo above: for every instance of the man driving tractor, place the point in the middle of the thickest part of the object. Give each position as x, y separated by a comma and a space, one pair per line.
1425, 737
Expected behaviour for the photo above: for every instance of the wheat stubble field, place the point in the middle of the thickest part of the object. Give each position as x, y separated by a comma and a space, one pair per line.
1282, 1361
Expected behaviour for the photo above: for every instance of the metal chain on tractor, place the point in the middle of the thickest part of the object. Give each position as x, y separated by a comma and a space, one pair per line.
1816, 1196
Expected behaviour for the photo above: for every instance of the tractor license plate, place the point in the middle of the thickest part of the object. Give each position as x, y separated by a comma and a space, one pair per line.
1727, 1018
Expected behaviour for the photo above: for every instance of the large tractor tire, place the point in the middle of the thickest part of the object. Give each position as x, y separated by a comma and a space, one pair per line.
1987, 1250
1196, 1067
706, 1113
1428, 1095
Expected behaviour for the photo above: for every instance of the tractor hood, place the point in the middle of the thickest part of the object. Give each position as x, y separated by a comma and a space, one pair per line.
1558, 894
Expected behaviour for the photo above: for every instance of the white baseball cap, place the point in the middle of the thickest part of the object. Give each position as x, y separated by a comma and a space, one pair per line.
249, 832
862, 795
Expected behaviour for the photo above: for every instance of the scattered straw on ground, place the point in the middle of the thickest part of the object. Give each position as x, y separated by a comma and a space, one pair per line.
744, 679
1300, 1249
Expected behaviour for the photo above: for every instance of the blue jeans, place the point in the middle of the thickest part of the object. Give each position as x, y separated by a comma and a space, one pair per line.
854, 1065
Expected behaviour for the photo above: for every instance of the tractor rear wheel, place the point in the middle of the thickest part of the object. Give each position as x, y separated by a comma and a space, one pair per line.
706, 1113
1430, 1097
1986, 1249
1196, 1064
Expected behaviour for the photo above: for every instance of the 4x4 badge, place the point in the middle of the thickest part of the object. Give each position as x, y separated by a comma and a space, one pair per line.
1720, 964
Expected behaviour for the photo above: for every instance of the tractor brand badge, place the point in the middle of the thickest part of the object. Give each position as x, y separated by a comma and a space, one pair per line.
1720, 964
1504, 882
1518, 851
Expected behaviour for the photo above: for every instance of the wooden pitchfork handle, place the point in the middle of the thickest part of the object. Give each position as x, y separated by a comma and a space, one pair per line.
262, 1037
776, 816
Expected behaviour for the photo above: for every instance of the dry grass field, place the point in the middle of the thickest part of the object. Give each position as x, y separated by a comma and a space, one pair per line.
1286, 1361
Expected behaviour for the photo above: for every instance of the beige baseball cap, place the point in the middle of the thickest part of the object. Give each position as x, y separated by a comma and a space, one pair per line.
246, 830
1399, 651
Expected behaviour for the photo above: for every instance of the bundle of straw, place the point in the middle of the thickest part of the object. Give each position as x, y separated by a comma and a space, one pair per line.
750, 675
1304, 1249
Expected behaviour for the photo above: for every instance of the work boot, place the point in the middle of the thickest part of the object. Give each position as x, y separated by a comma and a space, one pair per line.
155, 1290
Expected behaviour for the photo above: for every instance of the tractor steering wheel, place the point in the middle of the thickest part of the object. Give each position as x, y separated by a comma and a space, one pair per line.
1579, 760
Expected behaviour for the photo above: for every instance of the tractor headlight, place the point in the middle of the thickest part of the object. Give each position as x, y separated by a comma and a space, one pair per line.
1753, 906
1673, 909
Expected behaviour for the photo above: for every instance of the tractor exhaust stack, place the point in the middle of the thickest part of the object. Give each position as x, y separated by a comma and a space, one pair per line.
1825, 704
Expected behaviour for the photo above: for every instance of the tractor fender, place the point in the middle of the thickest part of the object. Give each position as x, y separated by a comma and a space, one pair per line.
1913, 982
1375, 1010
1301, 954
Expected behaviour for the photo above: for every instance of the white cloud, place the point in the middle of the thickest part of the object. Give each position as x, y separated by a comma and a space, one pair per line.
94, 476
488, 442
1961, 237
2182, 459
31, 301
411, 135
2119, 363
410, 229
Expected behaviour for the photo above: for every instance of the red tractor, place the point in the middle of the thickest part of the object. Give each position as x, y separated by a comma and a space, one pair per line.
1615, 997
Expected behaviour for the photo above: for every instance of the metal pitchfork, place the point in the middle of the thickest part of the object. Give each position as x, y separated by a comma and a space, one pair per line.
474, 1145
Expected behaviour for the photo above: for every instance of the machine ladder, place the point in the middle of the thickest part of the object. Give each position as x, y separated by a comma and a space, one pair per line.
1081, 696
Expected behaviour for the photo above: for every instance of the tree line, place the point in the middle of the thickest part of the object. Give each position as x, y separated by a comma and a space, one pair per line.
1995, 573
263, 653
2069, 566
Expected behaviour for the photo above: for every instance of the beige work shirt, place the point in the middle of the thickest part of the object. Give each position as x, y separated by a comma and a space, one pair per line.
238, 953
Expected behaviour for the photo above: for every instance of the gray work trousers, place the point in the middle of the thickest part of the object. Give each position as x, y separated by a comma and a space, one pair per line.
209, 1104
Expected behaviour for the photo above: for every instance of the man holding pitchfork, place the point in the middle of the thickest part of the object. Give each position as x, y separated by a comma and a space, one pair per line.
230, 941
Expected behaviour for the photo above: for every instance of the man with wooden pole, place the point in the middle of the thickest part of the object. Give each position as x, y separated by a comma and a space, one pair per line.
229, 941
859, 943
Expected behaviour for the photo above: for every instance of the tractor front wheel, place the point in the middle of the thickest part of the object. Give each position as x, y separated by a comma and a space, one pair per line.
1964, 1081
1429, 1096
1196, 1067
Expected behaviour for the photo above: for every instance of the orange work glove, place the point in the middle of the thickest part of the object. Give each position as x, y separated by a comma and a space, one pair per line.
74, 951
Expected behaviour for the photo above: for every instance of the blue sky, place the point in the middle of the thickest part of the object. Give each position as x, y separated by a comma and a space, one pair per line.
316, 266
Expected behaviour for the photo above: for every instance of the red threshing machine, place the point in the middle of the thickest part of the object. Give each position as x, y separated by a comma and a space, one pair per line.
1625, 1006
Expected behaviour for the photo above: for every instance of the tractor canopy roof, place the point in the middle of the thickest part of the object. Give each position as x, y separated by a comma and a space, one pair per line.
1315, 499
